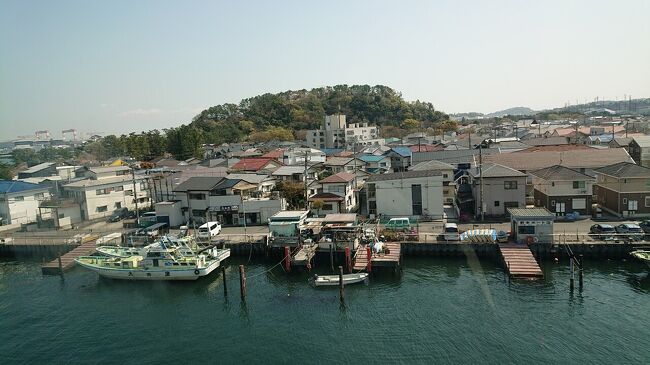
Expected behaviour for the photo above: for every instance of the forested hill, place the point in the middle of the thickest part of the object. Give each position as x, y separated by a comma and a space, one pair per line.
283, 116
305, 109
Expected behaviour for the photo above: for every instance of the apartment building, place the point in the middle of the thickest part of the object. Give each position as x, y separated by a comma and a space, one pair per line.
19, 201
335, 132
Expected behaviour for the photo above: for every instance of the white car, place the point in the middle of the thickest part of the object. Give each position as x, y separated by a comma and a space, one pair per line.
450, 232
209, 230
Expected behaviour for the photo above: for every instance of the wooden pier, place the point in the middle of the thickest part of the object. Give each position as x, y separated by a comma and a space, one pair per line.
304, 255
391, 258
520, 262
67, 260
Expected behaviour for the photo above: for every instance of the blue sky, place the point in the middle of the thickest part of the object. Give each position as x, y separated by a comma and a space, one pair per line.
122, 66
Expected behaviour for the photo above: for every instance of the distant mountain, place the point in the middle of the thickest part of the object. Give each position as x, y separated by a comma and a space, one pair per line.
519, 110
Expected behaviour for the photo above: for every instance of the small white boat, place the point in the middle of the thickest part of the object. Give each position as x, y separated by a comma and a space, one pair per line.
642, 255
333, 280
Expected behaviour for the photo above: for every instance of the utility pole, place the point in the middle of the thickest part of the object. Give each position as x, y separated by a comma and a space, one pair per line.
480, 171
135, 197
305, 179
575, 137
243, 208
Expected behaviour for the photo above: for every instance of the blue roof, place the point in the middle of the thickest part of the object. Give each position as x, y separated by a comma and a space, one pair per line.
402, 151
371, 158
15, 186
331, 151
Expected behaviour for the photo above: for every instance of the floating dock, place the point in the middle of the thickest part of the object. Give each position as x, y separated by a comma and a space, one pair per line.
391, 259
67, 260
520, 262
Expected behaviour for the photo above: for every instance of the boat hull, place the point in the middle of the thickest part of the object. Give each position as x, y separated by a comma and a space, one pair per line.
191, 273
333, 280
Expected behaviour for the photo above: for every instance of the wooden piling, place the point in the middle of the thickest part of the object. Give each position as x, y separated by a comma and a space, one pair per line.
332, 256
581, 272
369, 255
341, 285
223, 276
348, 260
572, 269
242, 282
287, 259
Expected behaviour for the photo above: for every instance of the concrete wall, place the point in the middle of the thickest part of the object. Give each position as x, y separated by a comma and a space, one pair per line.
393, 197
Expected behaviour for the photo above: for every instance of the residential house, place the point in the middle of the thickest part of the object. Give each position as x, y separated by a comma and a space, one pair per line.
343, 164
562, 190
503, 188
226, 200
256, 164
296, 156
621, 142
639, 149
376, 164
400, 158
337, 193
405, 194
100, 197
19, 202
294, 173
623, 189
447, 173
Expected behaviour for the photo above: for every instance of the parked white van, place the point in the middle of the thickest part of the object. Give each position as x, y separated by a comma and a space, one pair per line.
450, 232
209, 230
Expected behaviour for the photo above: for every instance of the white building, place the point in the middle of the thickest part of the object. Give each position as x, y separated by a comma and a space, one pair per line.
296, 156
19, 201
100, 197
337, 194
405, 194
337, 133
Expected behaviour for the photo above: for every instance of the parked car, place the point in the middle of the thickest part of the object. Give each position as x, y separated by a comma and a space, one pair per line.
630, 230
603, 231
209, 230
118, 215
450, 232
645, 226
398, 224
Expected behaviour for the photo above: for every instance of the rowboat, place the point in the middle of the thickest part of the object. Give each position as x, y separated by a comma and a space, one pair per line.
643, 255
333, 280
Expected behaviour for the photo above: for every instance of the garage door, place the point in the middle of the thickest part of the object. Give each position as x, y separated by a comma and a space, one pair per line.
579, 203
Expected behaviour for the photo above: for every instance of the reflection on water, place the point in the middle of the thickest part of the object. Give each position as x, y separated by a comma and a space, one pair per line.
436, 310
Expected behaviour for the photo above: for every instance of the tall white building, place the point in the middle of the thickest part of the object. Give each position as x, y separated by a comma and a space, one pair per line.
337, 133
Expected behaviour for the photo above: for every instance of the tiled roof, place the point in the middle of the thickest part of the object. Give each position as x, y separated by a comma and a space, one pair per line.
372, 158
341, 177
642, 141
251, 164
426, 148
275, 154
577, 158
495, 170
14, 186
199, 183
326, 197
337, 161
560, 173
288, 170
402, 151
403, 175
431, 165
625, 170
37, 168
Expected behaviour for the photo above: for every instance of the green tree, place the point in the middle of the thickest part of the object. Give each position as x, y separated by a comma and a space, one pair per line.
6, 172
318, 205
411, 124
293, 192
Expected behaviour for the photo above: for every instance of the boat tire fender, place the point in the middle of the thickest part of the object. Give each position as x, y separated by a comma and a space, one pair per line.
196, 271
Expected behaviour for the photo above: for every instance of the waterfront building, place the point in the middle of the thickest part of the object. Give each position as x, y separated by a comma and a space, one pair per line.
562, 190
530, 225
623, 189
503, 188
337, 193
405, 194
19, 202
447, 173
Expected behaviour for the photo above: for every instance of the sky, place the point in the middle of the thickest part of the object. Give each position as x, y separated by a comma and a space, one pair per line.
129, 66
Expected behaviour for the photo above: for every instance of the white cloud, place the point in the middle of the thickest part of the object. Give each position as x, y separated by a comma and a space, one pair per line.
141, 111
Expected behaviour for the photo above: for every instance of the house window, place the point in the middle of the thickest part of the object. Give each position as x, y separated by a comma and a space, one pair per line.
496, 203
372, 207
578, 184
371, 191
327, 207
100, 192
526, 229
624, 200
647, 201
119, 188
197, 196
118, 205
61, 215
128, 192
510, 185
445, 176
103, 208
416, 199
579, 203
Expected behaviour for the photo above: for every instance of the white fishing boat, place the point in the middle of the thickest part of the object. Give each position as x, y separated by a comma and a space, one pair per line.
333, 280
168, 263
185, 245
643, 255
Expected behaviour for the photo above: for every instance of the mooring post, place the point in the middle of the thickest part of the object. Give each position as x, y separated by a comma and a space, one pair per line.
341, 286
223, 276
348, 261
332, 256
581, 273
369, 255
242, 282
572, 269
287, 259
